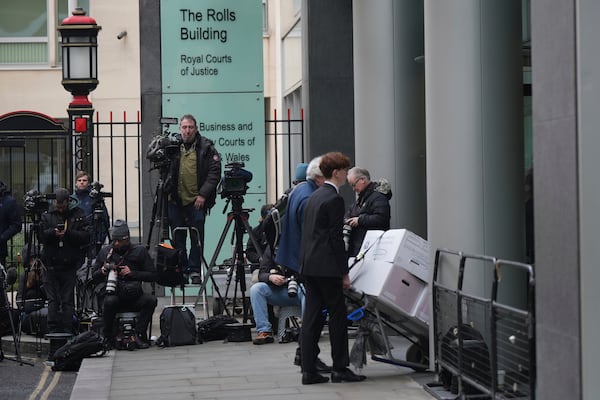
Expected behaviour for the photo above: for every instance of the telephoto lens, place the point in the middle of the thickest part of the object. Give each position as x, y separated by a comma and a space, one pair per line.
347, 230
111, 280
292, 287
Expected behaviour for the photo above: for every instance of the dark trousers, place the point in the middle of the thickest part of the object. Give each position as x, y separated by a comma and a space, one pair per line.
188, 216
60, 290
145, 305
324, 293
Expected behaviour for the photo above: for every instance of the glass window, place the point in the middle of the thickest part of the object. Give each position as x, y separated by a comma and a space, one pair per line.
24, 30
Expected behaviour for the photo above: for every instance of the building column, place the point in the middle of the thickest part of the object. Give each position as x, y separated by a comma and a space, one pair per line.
389, 103
327, 77
473, 80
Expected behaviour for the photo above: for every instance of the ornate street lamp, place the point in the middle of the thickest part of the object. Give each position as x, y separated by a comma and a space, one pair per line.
79, 41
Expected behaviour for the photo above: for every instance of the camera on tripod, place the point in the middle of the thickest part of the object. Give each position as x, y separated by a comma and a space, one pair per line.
235, 179
96, 192
36, 203
164, 147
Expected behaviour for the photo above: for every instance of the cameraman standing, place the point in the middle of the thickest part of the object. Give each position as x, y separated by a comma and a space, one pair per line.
133, 265
10, 220
194, 176
64, 234
90, 203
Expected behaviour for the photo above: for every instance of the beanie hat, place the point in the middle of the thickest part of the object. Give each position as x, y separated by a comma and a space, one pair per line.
301, 172
62, 195
120, 230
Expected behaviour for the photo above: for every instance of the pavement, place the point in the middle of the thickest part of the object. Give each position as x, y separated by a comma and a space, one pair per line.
231, 370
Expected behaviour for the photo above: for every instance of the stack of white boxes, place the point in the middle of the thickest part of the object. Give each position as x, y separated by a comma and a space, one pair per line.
396, 271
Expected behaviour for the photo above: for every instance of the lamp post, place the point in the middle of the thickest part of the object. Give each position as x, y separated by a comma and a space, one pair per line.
79, 41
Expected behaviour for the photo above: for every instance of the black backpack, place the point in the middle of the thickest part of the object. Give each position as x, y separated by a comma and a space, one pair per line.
177, 327
69, 356
214, 328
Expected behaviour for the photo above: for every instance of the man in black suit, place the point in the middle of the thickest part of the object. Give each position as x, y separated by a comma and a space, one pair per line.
324, 270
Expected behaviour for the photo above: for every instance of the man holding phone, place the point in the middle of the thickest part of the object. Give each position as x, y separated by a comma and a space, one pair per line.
64, 234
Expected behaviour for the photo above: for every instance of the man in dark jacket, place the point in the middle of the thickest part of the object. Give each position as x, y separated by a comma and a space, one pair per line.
133, 265
94, 209
10, 220
64, 234
324, 270
371, 210
194, 176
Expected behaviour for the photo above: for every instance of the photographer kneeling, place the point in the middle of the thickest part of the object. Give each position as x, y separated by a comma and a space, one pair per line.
124, 266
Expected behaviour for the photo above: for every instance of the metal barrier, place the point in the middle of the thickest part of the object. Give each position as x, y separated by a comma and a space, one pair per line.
483, 348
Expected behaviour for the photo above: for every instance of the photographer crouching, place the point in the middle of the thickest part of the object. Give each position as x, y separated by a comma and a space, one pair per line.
130, 264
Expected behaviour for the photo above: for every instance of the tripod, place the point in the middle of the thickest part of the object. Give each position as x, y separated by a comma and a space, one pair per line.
32, 251
100, 231
8, 307
239, 217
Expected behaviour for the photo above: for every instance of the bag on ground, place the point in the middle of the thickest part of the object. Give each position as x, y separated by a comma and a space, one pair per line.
214, 328
69, 356
177, 327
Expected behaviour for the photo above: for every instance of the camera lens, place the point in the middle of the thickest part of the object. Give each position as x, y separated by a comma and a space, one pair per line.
292, 287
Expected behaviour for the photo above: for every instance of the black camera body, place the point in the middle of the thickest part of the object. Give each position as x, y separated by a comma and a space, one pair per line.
37, 203
164, 147
96, 192
235, 179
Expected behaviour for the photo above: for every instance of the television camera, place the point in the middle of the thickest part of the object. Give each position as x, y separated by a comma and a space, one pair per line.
36, 203
235, 179
164, 147
96, 192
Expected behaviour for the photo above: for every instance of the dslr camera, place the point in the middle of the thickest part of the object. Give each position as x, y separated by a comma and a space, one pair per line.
235, 179
347, 231
292, 286
112, 278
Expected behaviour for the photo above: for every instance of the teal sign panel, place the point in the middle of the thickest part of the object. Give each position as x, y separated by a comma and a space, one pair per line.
211, 63
211, 46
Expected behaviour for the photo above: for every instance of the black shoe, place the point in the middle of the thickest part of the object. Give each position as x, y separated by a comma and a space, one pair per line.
346, 375
195, 278
310, 378
108, 343
298, 358
320, 366
141, 343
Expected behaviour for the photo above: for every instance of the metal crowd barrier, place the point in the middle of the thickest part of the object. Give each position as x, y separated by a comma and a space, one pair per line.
484, 349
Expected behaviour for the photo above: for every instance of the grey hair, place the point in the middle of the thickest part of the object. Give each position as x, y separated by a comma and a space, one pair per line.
313, 170
189, 117
358, 172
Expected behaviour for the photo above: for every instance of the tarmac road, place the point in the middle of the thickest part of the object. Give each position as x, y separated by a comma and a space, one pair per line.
32, 382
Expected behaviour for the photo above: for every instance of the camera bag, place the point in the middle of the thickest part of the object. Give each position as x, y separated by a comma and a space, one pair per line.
170, 263
69, 356
177, 327
215, 328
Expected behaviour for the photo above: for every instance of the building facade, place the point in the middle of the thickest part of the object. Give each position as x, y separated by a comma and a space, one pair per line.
454, 102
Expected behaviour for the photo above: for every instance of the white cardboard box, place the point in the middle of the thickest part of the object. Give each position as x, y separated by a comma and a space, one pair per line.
423, 309
399, 246
389, 284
